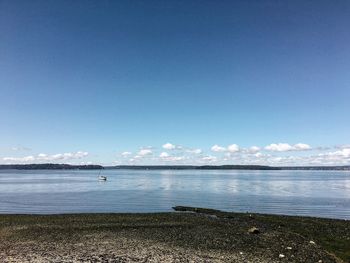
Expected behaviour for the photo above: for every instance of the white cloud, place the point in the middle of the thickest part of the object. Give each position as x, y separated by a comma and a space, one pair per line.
169, 146
253, 149
175, 158
144, 152
164, 155
210, 159
280, 147
340, 157
258, 155
341, 154
30, 158
233, 148
301, 147
217, 148
232, 154
194, 151
345, 152
343, 146
47, 158
285, 147
228, 155
85, 163
65, 156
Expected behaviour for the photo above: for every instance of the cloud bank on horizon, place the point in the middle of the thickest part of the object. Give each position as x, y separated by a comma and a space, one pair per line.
278, 154
45, 158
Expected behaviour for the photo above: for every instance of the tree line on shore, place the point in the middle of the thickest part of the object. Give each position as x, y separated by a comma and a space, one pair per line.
52, 166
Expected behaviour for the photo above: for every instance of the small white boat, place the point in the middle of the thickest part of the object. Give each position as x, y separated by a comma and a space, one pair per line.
102, 178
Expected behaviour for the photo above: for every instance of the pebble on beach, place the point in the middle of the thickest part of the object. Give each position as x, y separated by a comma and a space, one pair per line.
253, 230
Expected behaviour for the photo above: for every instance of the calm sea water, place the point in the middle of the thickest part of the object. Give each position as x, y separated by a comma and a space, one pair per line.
312, 193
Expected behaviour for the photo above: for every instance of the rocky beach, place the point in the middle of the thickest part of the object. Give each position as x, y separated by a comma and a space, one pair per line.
188, 235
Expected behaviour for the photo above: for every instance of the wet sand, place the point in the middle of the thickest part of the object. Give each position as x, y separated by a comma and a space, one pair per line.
193, 235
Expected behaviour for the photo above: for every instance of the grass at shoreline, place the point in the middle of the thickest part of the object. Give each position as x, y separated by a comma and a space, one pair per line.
205, 234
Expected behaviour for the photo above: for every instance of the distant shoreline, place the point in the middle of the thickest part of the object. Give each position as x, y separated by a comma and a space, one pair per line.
50, 166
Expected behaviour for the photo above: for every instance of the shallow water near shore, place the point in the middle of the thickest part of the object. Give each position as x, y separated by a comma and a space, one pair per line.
305, 193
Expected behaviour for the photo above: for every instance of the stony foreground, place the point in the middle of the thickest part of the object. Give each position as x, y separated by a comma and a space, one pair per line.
199, 236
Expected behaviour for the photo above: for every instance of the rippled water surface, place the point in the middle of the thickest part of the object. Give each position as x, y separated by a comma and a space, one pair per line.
312, 193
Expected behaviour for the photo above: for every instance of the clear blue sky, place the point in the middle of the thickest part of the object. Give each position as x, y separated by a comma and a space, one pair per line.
105, 77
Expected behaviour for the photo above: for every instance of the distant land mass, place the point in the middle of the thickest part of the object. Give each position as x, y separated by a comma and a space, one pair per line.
193, 167
51, 166
225, 167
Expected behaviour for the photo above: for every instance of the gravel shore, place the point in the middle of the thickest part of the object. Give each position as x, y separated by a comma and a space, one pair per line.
193, 235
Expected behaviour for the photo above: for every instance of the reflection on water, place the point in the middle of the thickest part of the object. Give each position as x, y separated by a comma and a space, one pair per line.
314, 193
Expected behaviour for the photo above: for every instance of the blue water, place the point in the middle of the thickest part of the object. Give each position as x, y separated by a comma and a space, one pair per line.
311, 193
